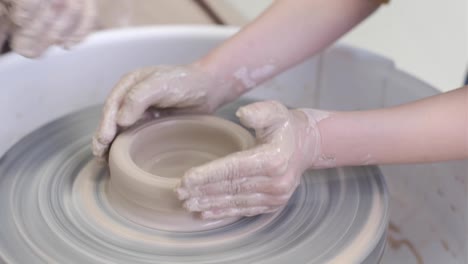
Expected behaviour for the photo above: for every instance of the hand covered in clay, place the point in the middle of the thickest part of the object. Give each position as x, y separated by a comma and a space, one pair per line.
157, 91
39, 24
262, 179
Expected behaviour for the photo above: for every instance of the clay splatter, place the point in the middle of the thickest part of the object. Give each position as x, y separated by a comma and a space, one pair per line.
445, 245
396, 244
394, 228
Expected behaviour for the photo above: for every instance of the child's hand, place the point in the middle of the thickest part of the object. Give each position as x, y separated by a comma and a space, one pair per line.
262, 179
155, 91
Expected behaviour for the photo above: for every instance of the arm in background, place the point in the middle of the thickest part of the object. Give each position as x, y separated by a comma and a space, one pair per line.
287, 33
284, 35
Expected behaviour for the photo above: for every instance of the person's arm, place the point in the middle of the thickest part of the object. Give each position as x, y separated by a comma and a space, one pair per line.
428, 130
262, 179
284, 35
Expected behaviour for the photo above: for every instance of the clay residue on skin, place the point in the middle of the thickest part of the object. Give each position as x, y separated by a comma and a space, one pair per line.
315, 117
156, 91
259, 180
319, 115
242, 74
368, 160
250, 78
63, 23
262, 72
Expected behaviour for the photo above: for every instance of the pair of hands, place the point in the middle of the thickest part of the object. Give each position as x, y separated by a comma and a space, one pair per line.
256, 181
35, 25
247, 183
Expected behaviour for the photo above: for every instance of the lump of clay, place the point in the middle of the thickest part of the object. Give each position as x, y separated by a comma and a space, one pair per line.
147, 162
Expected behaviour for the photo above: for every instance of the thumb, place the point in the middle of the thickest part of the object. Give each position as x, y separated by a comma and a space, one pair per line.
262, 115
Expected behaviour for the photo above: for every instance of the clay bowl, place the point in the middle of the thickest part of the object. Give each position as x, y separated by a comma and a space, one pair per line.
147, 162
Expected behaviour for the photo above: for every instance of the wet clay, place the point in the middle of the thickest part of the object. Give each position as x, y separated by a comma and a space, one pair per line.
147, 162
60, 210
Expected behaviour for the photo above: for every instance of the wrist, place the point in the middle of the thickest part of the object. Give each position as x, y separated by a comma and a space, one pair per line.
349, 138
314, 156
222, 81
242, 75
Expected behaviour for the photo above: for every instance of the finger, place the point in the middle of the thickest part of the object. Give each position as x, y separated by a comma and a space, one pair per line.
261, 160
144, 95
166, 88
234, 166
100, 149
87, 23
66, 21
32, 39
277, 186
135, 103
249, 185
108, 126
262, 115
27, 45
270, 119
237, 201
236, 212
24, 11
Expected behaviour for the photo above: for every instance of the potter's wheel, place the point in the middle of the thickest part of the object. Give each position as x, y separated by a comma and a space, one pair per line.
54, 210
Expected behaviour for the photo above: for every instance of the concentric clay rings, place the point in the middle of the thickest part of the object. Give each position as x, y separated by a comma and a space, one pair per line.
56, 208
147, 162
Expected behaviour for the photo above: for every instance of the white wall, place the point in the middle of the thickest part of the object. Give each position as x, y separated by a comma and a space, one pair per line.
427, 38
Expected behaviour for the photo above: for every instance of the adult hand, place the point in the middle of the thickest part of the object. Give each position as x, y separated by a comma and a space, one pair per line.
262, 179
39, 24
160, 90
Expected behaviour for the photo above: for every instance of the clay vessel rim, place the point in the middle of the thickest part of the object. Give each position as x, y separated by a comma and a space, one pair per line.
125, 140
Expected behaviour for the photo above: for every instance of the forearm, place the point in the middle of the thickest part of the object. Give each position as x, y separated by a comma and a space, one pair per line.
284, 35
428, 130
